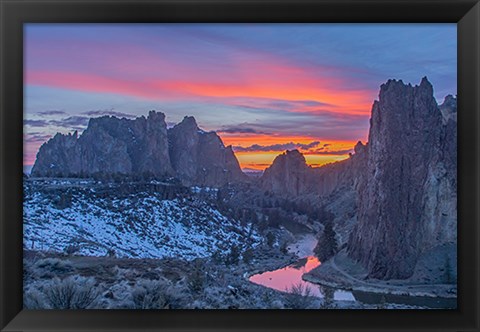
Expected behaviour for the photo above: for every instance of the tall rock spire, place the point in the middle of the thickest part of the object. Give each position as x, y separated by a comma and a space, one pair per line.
407, 199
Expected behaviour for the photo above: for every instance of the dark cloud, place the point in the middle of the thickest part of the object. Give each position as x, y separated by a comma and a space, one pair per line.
72, 121
276, 147
332, 152
51, 112
35, 123
328, 125
241, 130
268, 104
292, 104
36, 137
109, 112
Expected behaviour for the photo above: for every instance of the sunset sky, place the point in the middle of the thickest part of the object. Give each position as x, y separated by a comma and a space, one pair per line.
264, 88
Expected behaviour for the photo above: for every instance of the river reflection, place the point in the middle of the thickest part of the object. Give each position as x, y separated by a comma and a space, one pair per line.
283, 279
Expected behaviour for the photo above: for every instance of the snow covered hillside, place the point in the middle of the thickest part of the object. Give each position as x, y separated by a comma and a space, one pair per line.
96, 219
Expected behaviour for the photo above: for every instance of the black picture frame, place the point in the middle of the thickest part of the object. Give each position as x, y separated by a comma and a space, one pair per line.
14, 13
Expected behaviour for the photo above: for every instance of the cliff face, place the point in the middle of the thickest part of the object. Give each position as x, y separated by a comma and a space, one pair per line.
110, 145
407, 191
289, 174
200, 157
402, 184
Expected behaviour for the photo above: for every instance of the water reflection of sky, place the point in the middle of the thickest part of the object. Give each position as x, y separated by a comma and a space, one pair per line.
283, 279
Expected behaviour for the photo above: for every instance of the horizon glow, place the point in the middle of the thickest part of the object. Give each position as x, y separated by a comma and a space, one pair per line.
261, 87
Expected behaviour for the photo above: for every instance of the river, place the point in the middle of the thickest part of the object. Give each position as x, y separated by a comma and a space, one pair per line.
284, 278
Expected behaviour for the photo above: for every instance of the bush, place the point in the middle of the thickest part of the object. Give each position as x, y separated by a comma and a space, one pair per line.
34, 300
71, 249
53, 267
151, 294
28, 273
247, 256
233, 256
196, 277
270, 239
74, 292
301, 296
328, 298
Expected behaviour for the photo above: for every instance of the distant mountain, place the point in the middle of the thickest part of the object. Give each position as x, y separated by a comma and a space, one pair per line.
111, 145
290, 176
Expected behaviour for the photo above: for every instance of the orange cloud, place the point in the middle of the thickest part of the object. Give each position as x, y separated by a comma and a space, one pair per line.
261, 76
326, 152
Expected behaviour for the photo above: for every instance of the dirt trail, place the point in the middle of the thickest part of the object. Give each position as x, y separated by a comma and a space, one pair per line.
339, 278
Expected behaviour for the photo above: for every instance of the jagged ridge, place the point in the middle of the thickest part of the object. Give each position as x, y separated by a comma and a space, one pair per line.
111, 145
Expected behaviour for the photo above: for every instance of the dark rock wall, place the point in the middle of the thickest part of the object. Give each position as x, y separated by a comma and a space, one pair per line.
200, 157
407, 197
111, 145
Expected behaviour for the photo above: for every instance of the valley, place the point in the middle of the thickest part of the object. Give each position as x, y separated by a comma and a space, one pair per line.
147, 216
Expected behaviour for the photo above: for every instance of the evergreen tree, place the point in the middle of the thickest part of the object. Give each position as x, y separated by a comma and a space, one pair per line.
327, 244
270, 239
233, 256
247, 256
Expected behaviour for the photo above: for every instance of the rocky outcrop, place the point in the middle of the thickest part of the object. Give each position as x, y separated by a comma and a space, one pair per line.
394, 199
200, 157
407, 191
141, 146
289, 174
109, 145
449, 109
332, 186
58, 156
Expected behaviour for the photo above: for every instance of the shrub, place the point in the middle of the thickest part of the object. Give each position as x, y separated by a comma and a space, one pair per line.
151, 294
28, 273
301, 296
196, 277
247, 256
74, 292
328, 297
71, 249
233, 256
53, 266
33, 299
270, 239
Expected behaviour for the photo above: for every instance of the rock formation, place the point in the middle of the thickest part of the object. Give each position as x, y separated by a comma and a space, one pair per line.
111, 145
403, 183
289, 174
407, 191
200, 157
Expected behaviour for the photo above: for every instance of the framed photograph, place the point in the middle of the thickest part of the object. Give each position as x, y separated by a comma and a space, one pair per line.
219, 165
